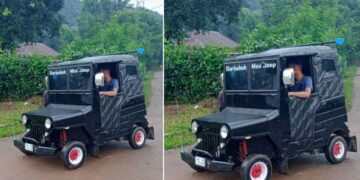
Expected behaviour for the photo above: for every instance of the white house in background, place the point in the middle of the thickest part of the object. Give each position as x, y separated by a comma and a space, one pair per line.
209, 38
36, 48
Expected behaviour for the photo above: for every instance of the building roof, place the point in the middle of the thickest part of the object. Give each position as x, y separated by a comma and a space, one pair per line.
209, 38
128, 59
289, 51
36, 48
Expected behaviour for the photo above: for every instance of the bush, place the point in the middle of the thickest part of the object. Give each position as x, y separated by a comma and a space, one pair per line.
192, 74
22, 77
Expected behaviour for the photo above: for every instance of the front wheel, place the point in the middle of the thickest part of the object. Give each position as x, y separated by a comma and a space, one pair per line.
73, 154
336, 150
137, 137
256, 167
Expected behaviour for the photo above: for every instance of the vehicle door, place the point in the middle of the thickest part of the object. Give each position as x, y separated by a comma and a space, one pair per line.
110, 109
134, 103
302, 121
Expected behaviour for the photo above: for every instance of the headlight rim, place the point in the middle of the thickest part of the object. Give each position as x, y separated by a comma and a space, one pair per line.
26, 119
192, 127
46, 123
221, 132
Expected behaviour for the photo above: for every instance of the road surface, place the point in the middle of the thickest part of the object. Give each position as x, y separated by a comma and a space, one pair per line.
116, 160
309, 167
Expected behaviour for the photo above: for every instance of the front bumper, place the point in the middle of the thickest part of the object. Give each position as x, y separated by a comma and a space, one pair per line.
38, 150
210, 163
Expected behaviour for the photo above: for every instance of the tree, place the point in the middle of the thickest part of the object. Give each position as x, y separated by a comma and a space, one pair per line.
189, 15
127, 30
24, 21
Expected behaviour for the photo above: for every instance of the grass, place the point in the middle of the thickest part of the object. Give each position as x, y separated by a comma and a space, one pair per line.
348, 84
178, 118
149, 75
10, 115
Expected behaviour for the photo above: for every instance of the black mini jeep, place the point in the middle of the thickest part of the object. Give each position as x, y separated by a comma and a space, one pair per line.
261, 125
78, 120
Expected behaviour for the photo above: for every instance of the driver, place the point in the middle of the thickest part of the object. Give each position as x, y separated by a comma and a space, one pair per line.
303, 84
111, 86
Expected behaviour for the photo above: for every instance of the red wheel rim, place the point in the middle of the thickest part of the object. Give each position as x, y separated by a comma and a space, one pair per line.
338, 150
258, 171
139, 137
74, 154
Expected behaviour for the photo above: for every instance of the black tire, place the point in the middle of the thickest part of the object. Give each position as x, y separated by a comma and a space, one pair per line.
247, 169
136, 133
336, 150
73, 154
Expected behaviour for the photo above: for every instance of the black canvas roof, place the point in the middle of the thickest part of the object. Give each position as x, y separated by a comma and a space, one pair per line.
128, 59
288, 51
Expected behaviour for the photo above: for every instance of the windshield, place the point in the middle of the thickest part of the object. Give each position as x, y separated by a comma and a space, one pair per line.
74, 78
262, 75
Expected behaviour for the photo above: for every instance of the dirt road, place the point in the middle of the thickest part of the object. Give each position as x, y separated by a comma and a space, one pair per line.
309, 167
116, 160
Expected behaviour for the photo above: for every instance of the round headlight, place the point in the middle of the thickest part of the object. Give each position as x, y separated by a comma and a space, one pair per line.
47, 123
224, 132
194, 127
24, 119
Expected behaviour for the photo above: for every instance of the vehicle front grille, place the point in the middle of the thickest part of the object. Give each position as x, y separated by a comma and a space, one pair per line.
211, 141
36, 132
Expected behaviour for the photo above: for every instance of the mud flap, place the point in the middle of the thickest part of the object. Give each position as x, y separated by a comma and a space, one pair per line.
150, 133
352, 144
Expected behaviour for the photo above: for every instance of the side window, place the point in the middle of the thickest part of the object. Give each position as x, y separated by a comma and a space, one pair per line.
328, 66
131, 71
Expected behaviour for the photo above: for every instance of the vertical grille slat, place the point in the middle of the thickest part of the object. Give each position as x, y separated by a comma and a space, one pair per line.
211, 141
37, 130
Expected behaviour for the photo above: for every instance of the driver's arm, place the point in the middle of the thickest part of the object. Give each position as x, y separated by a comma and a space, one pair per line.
301, 94
109, 93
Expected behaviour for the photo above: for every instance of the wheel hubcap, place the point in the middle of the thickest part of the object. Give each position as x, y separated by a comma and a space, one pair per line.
338, 150
139, 137
258, 171
75, 155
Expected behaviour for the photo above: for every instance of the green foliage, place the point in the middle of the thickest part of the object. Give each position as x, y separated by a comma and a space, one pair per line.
127, 30
22, 77
189, 15
348, 82
178, 119
25, 21
283, 23
192, 74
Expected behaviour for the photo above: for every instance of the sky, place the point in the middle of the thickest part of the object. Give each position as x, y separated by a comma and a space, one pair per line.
155, 5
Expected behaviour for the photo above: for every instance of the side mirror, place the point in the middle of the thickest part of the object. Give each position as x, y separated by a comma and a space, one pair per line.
288, 76
47, 82
99, 79
222, 79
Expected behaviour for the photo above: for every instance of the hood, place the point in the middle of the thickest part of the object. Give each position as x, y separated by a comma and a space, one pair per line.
240, 117
59, 112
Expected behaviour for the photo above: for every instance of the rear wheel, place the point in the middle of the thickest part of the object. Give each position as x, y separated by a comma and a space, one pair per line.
73, 154
256, 167
336, 150
137, 138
